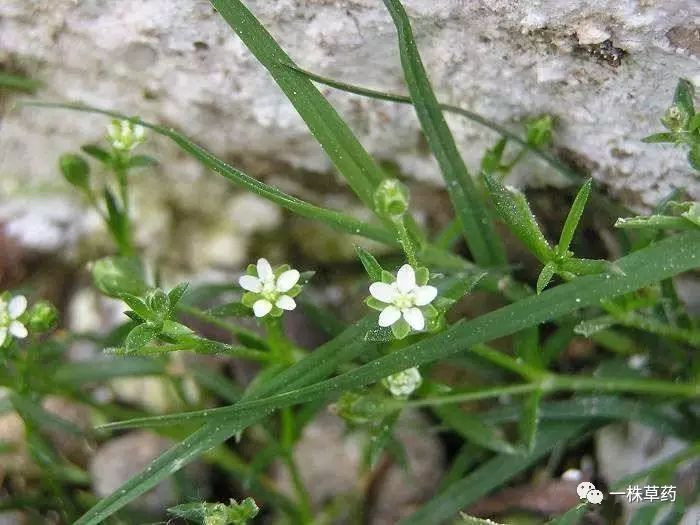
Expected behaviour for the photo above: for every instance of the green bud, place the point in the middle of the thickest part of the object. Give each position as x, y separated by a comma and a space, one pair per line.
124, 135
75, 170
42, 317
360, 408
539, 131
391, 199
675, 119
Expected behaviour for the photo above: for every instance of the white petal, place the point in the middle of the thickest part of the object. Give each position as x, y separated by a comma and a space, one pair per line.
262, 307
389, 316
414, 317
425, 295
385, 293
406, 279
3, 335
286, 303
250, 283
287, 280
18, 330
264, 269
17, 306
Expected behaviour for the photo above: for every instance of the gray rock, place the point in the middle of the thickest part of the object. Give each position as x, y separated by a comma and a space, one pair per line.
178, 62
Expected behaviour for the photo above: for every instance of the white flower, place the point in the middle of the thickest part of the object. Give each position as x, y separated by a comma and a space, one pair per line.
271, 290
9, 315
403, 298
403, 384
124, 135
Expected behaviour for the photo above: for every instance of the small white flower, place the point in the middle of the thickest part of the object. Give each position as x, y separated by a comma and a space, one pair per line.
271, 290
9, 318
403, 298
124, 135
403, 384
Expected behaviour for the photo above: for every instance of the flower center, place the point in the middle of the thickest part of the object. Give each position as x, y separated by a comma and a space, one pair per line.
404, 300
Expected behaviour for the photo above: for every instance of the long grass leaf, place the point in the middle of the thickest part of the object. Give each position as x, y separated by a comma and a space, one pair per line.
481, 237
329, 129
336, 220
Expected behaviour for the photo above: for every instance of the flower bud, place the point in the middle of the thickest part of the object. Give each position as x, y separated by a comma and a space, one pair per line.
403, 384
675, 119
42, 317
391, 198
361, 408
124, 135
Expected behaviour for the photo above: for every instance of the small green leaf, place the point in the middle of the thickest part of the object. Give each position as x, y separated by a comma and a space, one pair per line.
546, 275
683, 97
573, 218
692, 213
139, 337
97, 152
175, 330
75, 170
117, 221
372, 267
400, 329
234, 309
654, 222
175, 295
114, 276
588, 266
138, 305
694, 123
660, 137
694, 156
529, 421
141, 161
158, 302
514, 209
18, 82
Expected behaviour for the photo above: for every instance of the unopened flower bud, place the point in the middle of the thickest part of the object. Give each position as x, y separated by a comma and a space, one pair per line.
42, 317
675, 119
403, 384
124, 135
391, 198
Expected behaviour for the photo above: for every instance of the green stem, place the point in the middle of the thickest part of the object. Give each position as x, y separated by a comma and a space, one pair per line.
280, 346
558, 383
216, 321
287, 442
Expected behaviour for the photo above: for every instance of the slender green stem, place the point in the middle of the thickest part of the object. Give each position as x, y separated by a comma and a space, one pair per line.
509, 363
558, 383
216, 321
287, 443
647, 324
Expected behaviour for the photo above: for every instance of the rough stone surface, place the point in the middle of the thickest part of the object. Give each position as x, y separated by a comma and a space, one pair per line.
177, 62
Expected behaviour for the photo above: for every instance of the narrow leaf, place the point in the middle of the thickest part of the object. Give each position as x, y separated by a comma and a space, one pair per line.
370, 264
481, 237
140, 336
545, 276
683, 97
530, 420
574, 217
515, 211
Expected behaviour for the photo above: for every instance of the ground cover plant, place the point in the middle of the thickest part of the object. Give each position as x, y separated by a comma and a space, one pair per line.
372, 369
